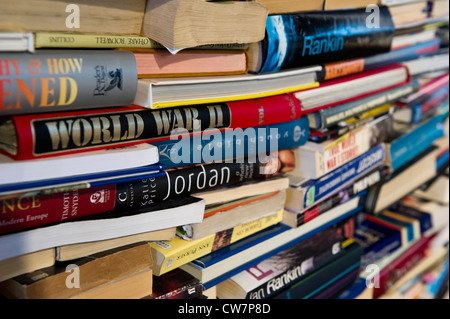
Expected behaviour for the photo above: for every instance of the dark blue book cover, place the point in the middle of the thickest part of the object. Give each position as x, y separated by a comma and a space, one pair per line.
378, 240
309, 38
423, 217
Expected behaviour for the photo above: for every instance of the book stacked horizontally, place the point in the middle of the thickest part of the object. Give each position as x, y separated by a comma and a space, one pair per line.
238, 149
377, 133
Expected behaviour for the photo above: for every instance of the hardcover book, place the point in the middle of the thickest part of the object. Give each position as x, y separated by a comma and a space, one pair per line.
59, 80
249, 144
308, 38
45, 135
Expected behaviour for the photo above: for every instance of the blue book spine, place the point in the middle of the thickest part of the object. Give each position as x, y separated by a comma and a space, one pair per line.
403, 54
413, 143
259, 140
423, 217
378, 241
318, 189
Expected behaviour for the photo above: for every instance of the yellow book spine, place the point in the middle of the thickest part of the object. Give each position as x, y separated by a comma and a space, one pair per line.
178, 251
92, 41
157, 105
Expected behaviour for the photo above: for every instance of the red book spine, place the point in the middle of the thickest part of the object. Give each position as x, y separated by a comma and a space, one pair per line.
18, 214
399, 267
356, 77
62, 133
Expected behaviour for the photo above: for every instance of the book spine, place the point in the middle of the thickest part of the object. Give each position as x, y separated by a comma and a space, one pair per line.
341, 197
399, 267
236, 144
425, 219
45, 135
293, 275
187, 181
319, 189
332, 116
402, 54
290, 265
311, 285
346, 148
58, 80
18, 213
319, 37
104, 41
184, 251
378, 240
414, 142
92, 41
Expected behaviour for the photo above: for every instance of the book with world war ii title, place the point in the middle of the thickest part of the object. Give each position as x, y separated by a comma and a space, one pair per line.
45, 135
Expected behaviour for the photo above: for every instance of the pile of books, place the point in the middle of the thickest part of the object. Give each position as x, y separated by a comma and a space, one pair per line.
186, 149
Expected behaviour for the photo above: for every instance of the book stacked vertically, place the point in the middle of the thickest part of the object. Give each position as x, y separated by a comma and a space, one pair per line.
251, 155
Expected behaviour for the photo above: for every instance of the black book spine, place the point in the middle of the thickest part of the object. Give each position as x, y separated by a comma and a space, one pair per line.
344, 195
184, 182
309, 38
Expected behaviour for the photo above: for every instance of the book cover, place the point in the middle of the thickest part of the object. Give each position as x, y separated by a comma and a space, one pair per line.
53, 134
324, 277
390, 274
413, 140
308, 192
332, 116
176, 284
324, 36
169, 255
347, 67
379, 239
161, 63
58, 80
274, 274
296, 218
327, 156
234, 144
352, 87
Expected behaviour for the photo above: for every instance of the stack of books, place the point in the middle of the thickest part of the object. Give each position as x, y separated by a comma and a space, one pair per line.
240, 149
